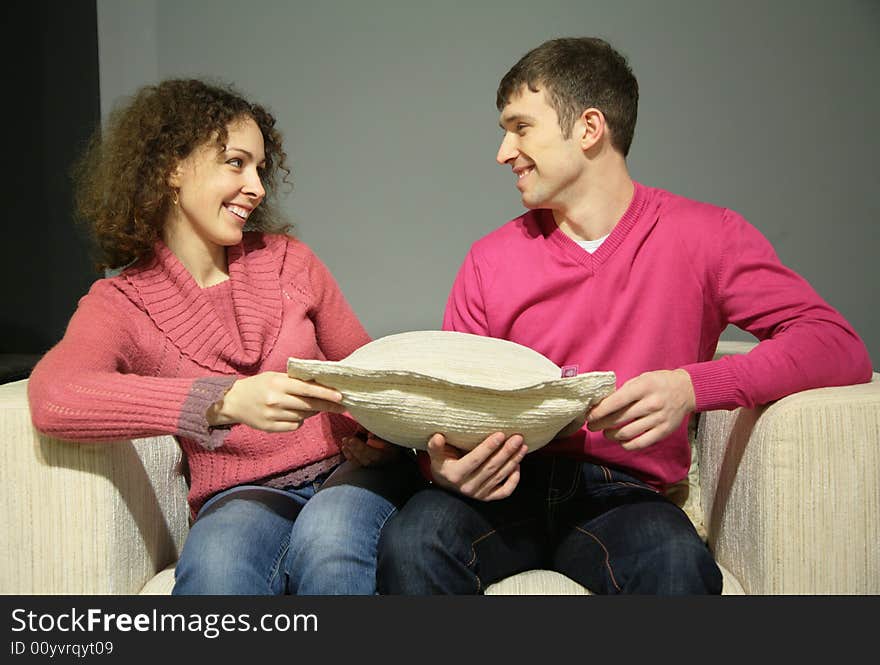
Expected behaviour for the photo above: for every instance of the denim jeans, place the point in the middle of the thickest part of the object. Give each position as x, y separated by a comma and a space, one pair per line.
319, 538
602, 528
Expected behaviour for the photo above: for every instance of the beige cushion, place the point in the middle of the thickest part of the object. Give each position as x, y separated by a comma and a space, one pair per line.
529, 583
406, 387
160, 585
537, 583
686, 493
550, 583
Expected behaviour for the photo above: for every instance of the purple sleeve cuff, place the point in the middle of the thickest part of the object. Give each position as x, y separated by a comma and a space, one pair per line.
193, 422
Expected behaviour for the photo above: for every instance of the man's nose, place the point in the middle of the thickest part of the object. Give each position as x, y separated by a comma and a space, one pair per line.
507, 149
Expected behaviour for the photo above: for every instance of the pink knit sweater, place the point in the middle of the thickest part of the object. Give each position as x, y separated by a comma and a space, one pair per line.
657, 294
148, 351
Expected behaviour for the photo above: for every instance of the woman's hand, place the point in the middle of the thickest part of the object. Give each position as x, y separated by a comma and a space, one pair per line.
273, 402
367, 449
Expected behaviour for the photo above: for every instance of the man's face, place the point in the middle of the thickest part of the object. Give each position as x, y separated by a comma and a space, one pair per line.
547, 166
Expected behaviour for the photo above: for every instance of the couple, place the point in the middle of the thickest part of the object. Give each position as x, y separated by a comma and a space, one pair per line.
601, 273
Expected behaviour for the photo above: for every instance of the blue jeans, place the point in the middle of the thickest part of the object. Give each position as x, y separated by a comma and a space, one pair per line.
319, 538
602, 528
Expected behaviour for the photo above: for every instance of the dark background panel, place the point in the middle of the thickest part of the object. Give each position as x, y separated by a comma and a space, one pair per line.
51, 107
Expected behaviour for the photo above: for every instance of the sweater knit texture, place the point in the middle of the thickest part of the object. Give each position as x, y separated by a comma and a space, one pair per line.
657, 294
148, 351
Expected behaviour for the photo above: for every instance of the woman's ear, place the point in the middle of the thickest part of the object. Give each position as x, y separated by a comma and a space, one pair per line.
175, 176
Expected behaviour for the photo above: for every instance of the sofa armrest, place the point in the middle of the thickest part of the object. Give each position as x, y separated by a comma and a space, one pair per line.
83, 518
791, 491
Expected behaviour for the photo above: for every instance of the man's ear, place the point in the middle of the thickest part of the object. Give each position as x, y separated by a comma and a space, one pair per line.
590, 128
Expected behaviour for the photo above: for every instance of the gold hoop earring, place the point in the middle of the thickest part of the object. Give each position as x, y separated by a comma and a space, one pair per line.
175, 199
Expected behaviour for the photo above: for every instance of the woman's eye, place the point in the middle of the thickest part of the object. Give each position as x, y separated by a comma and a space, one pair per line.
236, 162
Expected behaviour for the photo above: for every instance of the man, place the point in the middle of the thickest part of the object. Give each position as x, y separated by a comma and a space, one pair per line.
603, 273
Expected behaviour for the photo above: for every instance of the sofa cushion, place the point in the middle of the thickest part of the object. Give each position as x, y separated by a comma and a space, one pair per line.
160, 585
551, 583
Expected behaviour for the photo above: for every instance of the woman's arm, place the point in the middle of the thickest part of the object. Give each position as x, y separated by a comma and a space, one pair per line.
87, 387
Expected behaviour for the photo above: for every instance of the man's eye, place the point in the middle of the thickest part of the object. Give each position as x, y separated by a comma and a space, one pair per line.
521, 128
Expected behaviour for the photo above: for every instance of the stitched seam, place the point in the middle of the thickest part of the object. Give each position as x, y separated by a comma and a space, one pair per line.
573, 488
387, 517
483, 537
473, 545
550, 482
486, 535
636, 486
607, 556
474, 559
276, 565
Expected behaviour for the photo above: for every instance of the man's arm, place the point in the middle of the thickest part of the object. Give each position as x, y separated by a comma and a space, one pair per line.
805, 344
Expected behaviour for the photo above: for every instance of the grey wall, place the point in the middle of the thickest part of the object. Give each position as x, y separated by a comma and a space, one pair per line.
388, 109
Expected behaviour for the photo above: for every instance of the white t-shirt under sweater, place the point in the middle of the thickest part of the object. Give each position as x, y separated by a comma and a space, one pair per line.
591, 245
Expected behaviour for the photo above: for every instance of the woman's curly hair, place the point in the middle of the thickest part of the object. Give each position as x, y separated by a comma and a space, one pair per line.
121, 181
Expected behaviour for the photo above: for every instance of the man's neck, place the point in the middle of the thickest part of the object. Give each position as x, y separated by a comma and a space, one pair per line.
595, 214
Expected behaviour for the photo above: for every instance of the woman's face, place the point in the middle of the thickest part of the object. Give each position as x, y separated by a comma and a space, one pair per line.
219, 186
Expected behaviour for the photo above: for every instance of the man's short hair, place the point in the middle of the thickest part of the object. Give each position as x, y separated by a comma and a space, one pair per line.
579, 73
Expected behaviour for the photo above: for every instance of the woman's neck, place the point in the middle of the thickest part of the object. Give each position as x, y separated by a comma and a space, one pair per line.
204, 260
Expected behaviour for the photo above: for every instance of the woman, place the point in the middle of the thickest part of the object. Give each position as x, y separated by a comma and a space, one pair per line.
192, 338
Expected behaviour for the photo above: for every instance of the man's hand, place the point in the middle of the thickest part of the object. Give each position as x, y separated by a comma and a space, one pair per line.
367, 449
645, 409
273, 402
488, 472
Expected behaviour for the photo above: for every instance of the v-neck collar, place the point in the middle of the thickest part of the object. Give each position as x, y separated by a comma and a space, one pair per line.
618, 234
181, 309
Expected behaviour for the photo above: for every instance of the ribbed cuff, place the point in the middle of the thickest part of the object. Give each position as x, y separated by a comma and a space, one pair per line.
193, 422
715, 385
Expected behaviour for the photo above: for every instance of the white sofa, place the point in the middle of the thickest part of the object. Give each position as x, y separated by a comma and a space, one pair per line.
788, 496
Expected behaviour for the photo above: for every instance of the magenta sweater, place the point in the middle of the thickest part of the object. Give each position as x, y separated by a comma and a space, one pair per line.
147, 352
656, 295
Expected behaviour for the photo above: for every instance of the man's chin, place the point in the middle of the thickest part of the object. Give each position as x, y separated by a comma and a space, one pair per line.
530, 203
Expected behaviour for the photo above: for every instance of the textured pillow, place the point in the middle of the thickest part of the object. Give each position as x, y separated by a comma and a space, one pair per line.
406, 387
